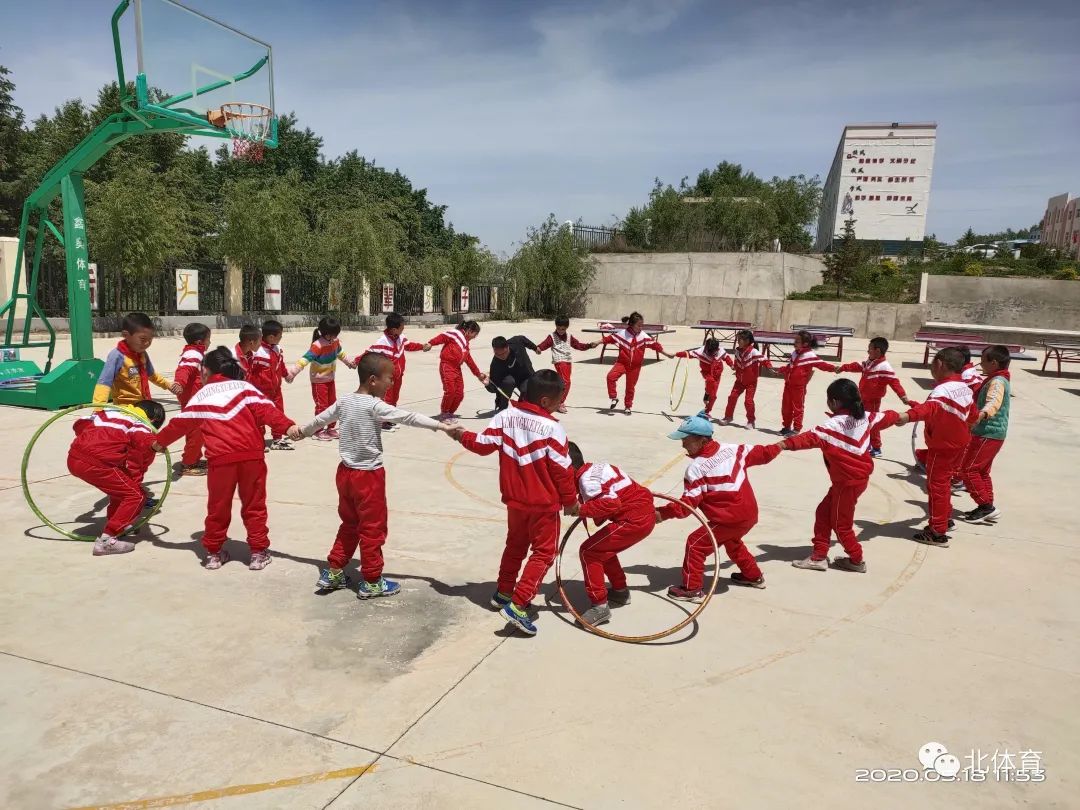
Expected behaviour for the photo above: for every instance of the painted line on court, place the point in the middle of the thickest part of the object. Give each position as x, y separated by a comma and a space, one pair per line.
659, 473
235, 790
448, 471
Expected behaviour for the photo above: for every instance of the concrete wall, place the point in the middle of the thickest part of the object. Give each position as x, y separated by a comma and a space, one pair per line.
1014, 302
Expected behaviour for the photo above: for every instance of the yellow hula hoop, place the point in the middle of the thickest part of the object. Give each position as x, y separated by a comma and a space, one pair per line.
685, 367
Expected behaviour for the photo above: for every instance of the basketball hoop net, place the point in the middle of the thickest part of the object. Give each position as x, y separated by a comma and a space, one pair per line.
249, 125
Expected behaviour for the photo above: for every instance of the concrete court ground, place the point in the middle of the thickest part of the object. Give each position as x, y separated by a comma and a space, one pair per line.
146, 681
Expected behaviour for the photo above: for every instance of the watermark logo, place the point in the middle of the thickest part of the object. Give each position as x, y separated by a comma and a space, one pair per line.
938, 765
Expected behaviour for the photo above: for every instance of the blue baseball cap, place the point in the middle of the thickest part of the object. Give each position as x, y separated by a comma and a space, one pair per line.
698, 425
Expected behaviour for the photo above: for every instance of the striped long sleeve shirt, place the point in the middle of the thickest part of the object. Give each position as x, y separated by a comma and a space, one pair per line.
360, 418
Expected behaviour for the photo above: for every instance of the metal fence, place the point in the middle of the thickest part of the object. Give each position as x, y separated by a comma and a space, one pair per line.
591, 237
155, 295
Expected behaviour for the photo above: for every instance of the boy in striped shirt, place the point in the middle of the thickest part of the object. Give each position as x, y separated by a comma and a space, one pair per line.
361, 477
536, 480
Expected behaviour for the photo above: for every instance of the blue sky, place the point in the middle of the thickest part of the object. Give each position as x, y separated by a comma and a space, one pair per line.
506, 111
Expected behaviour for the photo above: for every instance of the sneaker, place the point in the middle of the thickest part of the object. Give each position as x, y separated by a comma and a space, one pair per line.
518, 618
106, 545
627, 410
685, 594
202, 463
192, 469
725, 421
390, 427
618, 598
500, 600
845, 564
875, 452
281, 444
785, 432
739, 579
562, 409
151, 502
958, 486
981, 514
330, 580
384, 587
259, 560
596, 615
810, 564
614, 404
322, 436
332, 434
751, 426
931, 538
215, 561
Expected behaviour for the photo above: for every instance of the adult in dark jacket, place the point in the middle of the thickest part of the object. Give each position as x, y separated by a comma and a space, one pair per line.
510, 367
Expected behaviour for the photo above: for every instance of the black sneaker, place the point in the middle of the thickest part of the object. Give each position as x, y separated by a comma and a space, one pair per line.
614, 404
931, 538
981, 514
787, 432
738, 579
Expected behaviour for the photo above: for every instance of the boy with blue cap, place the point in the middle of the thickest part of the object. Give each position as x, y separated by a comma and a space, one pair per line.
717, 484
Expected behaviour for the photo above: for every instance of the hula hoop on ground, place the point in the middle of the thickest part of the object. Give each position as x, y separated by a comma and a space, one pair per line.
685, 367
653, 636
143, 519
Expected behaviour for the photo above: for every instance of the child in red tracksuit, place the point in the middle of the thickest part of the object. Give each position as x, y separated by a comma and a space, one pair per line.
797, 373
746, 362
536, 482
710, 364
323, 357
112, 452
845, 441
948, 414
231, 414
877, 375
632, 344
392, 344
455, 351
189, 377
268, 364
561, 342
716, 481
623, 510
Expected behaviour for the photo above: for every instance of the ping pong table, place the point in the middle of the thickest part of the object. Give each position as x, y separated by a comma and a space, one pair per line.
974, 343
825, 335
722, 330
1062, 352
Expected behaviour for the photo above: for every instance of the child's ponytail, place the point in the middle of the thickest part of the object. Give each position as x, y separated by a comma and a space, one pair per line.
222, 361
845, 393
807, 338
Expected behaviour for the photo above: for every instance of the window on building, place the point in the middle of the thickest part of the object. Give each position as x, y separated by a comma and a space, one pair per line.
913, 160
861, 160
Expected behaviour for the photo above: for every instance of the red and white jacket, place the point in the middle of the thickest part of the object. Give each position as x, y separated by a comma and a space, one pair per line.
972, 377
948, 412
844, 442
231, 414
394, 347
264, 368
189, 372
716, 481
632, 347
710, 367
747, 364
800, 367
455, 350
607, 493
877, 376
115, 439
534, 462
561, 345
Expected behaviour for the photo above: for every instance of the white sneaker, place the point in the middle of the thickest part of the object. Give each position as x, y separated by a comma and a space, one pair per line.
724, 421
751, 426
106, 545
810, 564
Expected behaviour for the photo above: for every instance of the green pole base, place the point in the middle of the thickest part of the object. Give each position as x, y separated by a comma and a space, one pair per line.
70, 383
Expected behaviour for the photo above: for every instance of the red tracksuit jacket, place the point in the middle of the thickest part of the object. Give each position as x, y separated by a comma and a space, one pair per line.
395, 348
800, 367
115, 439
972, 377
948, 412
231, 414
845, 443
607, 493
455, 350
710, 367
268, 369
632, 347
747, 365
716, 481
877, 376
189, 372
534, 465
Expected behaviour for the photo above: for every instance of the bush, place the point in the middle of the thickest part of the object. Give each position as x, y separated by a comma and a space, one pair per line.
1067, 274
973, 269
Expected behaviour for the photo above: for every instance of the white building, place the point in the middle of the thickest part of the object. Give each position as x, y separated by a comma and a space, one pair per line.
880, 177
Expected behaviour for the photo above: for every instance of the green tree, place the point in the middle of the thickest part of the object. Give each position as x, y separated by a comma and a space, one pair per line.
11, 157
549, 274
969, 238
844, 260
264, 228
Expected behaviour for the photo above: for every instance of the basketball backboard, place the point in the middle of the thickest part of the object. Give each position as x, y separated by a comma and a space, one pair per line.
187, 64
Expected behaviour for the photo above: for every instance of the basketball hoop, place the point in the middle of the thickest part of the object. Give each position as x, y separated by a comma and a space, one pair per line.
249, 125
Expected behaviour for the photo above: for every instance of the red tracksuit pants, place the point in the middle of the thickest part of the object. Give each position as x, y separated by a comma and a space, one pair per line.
873, 406
126, 496
711, 384
393, 393
279, 403
617, 371
535, 534
222, 483
792, 404
836, 513
699, 548
325, 395
975, 468
453, 387
599, 554
941, 465
563, 370
736, 391
193, 446
362, 509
